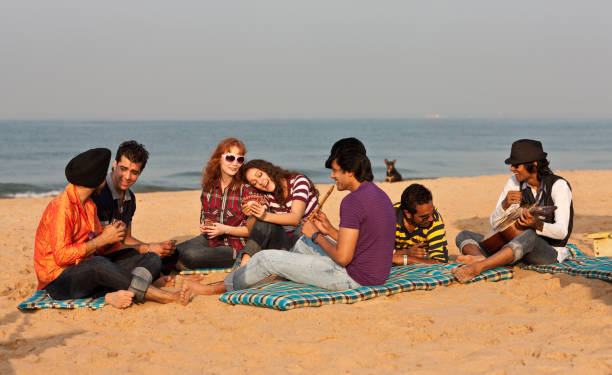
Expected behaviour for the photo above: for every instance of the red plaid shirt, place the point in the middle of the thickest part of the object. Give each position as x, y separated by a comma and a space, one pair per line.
225, 207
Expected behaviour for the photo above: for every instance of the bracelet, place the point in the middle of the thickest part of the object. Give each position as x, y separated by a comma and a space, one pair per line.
95, 243
315, 235
405, 260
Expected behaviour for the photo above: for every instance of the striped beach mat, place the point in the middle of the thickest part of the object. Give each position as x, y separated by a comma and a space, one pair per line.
577, 264
287, 295
41, 300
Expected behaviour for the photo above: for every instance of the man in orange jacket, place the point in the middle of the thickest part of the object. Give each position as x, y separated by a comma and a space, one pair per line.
70, 243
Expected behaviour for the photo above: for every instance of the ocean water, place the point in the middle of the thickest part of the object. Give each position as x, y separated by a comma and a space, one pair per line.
33, 154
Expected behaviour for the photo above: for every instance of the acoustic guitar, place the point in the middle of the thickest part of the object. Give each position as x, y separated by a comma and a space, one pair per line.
508, 227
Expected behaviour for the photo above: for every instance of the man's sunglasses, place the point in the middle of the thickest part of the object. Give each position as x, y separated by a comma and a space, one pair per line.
230, 158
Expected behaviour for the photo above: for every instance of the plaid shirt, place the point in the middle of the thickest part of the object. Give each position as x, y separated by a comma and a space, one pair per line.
225, 207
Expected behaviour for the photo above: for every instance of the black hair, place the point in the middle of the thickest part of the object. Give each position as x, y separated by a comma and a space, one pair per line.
134, 152
345, 145
413, 195
542, 168
359, 164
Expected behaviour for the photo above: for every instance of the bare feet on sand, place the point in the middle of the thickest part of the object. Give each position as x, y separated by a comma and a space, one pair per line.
206, 289
120, 299
469, 259
465, 273
183, 296
164, 281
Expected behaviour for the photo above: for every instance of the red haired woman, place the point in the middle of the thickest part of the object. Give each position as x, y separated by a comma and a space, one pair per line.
222, 222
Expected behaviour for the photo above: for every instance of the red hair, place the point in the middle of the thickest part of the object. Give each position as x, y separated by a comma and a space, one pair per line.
212, 172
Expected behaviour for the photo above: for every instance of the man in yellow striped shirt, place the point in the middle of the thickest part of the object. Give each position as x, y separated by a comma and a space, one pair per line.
420, 236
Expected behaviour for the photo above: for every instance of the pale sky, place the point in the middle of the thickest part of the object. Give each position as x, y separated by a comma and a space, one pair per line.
278, 59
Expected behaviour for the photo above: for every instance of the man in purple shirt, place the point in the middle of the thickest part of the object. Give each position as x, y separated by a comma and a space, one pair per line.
359, 253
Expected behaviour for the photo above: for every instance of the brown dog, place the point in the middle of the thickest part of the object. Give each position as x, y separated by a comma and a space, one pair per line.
392, 174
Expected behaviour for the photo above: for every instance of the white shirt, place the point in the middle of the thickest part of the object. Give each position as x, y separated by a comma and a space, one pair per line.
561, 194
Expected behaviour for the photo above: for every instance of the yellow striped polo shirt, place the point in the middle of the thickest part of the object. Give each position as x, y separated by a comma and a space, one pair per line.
434, 236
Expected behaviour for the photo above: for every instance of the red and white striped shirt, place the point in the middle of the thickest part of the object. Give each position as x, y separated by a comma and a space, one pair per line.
299, 188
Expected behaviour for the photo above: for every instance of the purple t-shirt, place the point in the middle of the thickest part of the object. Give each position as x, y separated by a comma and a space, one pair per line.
370, 210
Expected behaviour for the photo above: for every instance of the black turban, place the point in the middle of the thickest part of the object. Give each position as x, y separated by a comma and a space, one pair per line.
89, 168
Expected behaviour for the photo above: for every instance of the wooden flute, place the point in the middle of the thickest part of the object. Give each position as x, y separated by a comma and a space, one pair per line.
321, 202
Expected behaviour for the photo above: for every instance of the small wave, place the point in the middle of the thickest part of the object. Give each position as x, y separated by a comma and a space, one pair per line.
31, 194
18, 190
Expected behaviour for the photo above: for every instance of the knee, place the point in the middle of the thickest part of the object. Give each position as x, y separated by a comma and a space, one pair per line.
152, 262
188, 257
465, 237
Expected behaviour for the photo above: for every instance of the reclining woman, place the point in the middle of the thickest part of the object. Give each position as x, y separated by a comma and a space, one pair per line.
222, 222
291, 197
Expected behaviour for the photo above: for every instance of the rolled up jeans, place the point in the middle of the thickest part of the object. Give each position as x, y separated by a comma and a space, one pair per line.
305, 263
100, 275
527, 246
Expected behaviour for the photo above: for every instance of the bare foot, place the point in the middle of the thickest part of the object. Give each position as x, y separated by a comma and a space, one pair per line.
208, 289
469, 259
184, 295
164, 281
120, 299
465, 273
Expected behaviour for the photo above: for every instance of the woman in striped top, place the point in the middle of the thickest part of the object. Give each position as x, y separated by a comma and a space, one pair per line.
291, 197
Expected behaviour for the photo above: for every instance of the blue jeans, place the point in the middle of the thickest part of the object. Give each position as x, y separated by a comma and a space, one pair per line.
528, 246
305, 263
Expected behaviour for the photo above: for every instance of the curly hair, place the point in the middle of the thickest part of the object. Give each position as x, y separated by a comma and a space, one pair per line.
212, 172
277, 174
413, 195
134, 152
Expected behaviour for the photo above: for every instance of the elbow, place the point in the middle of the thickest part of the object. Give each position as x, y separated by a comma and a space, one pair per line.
60, 260
563, 233
344, 260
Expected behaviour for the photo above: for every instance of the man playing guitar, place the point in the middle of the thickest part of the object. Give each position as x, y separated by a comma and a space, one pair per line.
544, 240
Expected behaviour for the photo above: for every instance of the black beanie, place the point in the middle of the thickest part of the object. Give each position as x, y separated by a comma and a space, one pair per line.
89, 168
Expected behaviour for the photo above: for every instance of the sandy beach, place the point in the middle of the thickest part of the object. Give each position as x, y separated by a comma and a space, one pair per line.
534, 323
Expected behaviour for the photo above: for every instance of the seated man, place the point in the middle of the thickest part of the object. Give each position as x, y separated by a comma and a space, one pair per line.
361, 250
544, 240
69, 236
117, 201
420, 236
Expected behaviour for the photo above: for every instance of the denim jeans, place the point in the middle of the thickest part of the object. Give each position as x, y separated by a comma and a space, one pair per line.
266, 235
305, 263
99, 275
528, 246
197, 253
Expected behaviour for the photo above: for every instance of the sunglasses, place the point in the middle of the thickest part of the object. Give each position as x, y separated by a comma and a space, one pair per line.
230, 158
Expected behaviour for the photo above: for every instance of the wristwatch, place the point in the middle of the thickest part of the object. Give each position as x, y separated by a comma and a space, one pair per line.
315, 235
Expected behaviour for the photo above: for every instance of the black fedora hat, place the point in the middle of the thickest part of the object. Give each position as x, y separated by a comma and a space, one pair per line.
525, 151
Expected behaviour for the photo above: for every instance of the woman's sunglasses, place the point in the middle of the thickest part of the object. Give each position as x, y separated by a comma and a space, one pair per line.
230, 158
